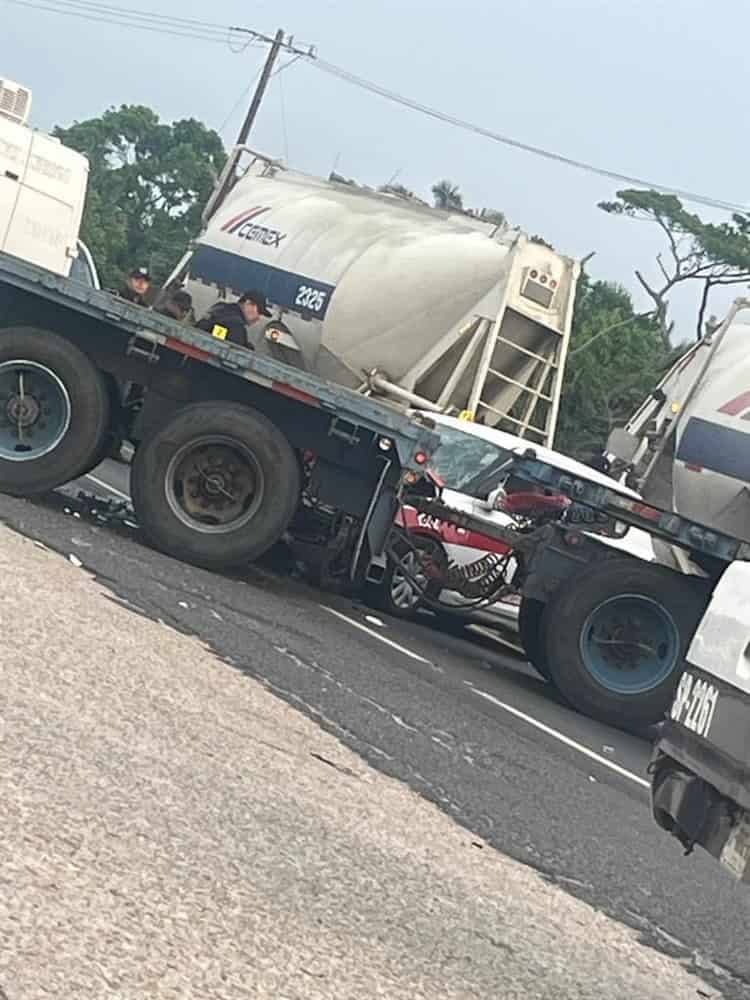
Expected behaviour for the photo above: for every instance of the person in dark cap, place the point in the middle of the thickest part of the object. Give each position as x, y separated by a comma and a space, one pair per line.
137, 288
230, 320
177, 306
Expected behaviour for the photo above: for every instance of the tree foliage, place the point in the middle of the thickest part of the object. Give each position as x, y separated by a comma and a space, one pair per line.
615, 359
447, 195
148, 184
697, 251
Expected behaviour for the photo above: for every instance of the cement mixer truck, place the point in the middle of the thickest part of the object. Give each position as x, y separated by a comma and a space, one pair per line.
380, 293
614, 587
689, 444
233, 449
380, 304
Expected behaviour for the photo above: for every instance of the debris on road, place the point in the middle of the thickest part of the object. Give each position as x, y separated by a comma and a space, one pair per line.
102, 510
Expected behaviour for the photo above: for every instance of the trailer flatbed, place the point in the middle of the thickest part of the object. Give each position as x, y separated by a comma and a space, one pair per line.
332, 461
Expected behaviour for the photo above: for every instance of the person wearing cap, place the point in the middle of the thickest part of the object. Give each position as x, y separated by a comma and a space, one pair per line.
177, 306
136, 289
230, 320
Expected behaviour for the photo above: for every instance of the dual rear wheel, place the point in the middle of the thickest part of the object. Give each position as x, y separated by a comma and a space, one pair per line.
613, 641
216, 486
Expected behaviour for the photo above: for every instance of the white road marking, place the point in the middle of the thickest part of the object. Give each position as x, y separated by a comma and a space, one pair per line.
106, 486
375, 635
566, 740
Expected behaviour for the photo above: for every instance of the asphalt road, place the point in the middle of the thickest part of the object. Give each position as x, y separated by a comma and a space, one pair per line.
463, 721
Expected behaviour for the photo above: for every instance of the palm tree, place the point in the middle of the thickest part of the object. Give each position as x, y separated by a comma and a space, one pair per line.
447, 196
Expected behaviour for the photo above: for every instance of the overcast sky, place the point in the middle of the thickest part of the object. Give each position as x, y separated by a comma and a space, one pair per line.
652, 88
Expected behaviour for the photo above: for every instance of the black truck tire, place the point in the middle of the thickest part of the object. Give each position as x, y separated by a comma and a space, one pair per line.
111, 441
531, 632
615, 638
54, 411
216, 486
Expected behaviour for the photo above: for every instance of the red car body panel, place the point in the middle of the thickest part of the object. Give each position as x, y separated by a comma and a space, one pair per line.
447, 533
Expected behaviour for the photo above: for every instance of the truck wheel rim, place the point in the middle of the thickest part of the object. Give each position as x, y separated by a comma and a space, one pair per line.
403, 593
214, 484
35, 411
630, 644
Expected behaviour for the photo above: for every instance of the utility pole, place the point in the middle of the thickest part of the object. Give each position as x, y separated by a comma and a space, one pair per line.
260, 90
227, 180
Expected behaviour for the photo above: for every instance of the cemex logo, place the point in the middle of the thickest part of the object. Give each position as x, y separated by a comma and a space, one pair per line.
737, 407
245, 226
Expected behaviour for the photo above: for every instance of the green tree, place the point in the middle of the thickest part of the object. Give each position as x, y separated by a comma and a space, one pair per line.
697, 251
447, 195
615, 359
148, 183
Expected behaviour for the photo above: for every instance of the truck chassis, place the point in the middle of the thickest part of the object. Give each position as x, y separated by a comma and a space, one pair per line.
233, 450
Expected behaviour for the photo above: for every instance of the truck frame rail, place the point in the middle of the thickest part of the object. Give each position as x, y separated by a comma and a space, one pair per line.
665, 525
151, 332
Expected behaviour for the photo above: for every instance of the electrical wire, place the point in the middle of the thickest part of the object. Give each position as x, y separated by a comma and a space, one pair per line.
160, 24
290, 62
181, 27
142, 14
242, 97
251, 85
390, 95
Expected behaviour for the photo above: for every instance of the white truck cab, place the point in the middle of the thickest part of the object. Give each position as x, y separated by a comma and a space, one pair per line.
701, 766
42, 191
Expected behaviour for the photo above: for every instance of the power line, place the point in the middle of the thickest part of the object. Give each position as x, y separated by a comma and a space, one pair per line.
211, 32
291, 62
448, 119
145, 21
130, 17
143, 14
240, 100
246, 90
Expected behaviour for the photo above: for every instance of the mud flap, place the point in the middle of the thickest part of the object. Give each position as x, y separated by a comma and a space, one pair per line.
682, 803
369, 559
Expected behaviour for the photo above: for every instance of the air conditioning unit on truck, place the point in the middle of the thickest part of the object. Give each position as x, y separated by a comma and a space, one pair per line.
390, 298
42, 192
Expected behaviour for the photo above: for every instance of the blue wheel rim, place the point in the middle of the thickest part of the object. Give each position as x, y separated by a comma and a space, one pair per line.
630, 644
35, 411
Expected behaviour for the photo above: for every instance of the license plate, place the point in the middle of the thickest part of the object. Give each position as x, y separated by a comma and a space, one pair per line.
736, 853
695, 703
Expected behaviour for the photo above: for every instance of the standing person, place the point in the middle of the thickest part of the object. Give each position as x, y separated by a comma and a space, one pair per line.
230, 320
137, 288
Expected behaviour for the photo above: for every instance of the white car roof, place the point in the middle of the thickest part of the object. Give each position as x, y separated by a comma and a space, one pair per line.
514, 443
